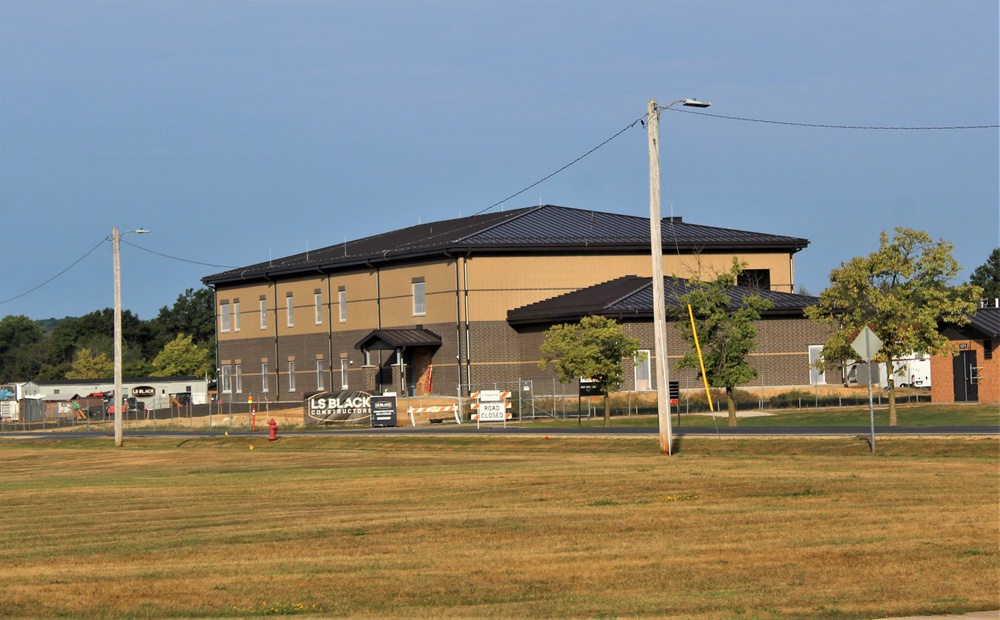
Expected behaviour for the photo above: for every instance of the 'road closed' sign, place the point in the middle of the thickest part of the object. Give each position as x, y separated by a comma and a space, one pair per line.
492, 412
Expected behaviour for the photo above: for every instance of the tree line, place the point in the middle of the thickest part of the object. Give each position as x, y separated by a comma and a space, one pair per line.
179, 341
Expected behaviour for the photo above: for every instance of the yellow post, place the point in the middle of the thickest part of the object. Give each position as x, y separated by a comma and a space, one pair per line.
701, 360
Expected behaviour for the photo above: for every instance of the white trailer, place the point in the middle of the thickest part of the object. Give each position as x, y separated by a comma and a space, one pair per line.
911, 371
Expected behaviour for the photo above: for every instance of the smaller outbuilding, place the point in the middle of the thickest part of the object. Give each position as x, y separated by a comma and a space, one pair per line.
973, 375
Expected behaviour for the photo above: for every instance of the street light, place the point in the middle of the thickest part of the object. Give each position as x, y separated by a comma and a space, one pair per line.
659, 302
118, 401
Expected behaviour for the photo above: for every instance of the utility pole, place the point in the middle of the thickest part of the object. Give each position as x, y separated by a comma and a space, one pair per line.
117, 400
659, 303
656, 246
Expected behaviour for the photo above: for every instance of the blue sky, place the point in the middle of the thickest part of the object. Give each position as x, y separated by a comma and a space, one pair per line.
239, 131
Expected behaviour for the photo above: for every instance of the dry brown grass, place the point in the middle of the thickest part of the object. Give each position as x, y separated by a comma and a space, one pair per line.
498, 528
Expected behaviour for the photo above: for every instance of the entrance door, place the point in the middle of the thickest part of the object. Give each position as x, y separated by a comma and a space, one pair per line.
966, 377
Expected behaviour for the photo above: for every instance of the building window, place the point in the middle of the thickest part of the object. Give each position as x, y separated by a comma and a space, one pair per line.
759, 279
239, 378
319, 307
227, 379
815, 357
342, 300
263, 313
236, 315
344, 364
224, 317
290, 301
320, 370
263, 377
291, 376
643, 375
419, 298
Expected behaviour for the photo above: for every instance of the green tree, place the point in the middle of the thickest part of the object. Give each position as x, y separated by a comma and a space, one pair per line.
182, 357
22, 343
95, 331
86, 365
726, 333
193, 314
902, 293
987, 276
593, 348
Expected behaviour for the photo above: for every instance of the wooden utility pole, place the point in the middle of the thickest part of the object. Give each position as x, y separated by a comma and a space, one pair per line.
117, 401
659, 302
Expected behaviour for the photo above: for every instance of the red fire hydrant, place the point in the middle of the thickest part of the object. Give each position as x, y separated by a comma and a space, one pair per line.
274, 430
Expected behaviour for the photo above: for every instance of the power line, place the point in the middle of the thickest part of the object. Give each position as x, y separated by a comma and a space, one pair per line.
642, 121
176, 258
821, 126
547, 177
91, 251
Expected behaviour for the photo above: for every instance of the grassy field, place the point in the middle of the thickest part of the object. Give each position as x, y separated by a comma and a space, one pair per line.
494, 527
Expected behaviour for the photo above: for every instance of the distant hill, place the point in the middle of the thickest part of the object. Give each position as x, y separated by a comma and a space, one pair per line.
50, 324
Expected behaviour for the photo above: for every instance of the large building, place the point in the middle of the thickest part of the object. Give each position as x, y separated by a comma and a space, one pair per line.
453, 306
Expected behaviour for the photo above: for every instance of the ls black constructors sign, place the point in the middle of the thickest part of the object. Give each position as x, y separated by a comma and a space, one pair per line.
348, 408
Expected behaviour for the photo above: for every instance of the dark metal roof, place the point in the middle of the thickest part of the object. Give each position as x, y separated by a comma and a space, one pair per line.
987, 322
392, 339
541, 229
632, 297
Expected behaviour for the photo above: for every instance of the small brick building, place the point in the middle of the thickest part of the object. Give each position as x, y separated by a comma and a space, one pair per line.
974, 374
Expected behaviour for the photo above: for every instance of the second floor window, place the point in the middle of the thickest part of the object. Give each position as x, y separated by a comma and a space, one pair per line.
224, 317
419, 298
290, 300
342, 299
319, 308
236, 315
263, 313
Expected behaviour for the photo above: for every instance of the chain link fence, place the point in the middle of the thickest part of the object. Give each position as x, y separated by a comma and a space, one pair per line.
546, 397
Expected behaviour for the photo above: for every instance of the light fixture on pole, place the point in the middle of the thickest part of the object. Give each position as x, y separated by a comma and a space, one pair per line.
659, 301
118, 402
